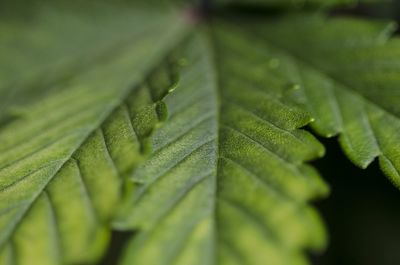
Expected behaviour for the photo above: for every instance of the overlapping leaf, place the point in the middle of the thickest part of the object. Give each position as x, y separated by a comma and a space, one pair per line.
45, 43
64, 162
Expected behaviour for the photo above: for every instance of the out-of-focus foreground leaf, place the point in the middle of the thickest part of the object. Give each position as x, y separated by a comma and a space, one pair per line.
65, 160
43, 44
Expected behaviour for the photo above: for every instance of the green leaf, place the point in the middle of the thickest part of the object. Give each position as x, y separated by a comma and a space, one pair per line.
46, 43
350, 79
294, 3
64, 162
227, 183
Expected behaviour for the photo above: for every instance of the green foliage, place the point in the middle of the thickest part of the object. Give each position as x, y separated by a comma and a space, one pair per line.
294, 3
44, 44
64, 162
350, 81
227, 180
85, 147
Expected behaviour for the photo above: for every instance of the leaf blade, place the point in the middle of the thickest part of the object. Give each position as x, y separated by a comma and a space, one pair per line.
74, 149
206, 201
363, 90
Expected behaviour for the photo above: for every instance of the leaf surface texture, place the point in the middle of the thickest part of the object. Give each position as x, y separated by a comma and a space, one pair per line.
227, 183
350, 81
227, 180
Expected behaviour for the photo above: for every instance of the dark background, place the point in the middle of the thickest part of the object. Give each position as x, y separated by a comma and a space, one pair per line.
362, 214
